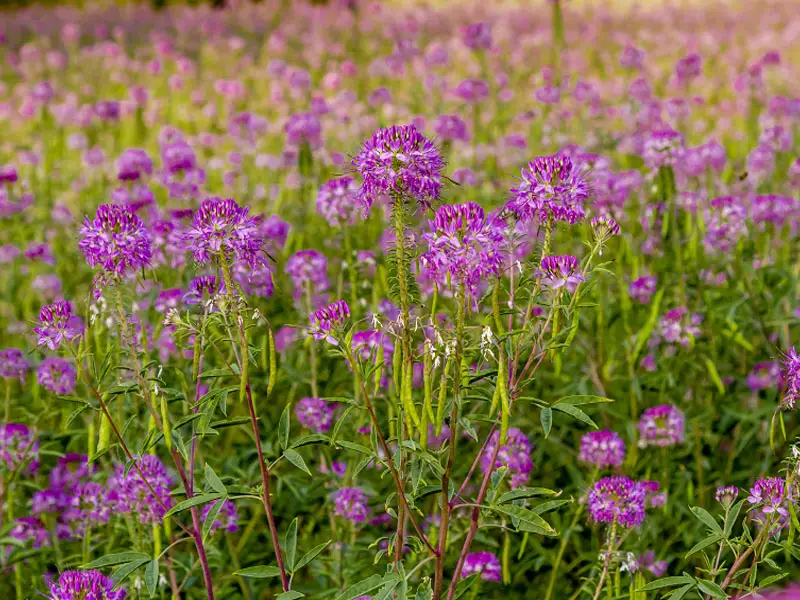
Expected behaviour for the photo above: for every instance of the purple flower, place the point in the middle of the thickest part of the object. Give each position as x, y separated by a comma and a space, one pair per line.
560, 271
602, 449
679, 326
649, 562
725, 224
307, 268
222, 228
373, 344
472, 90
791, 365
131, 494
551, 187
631, 57
617, 499
351, 504
337, 201
464, 244
71, 469
178, 156
13, 364
662, 148
451, 127
661, 425
168, 299
303, 128
115, 239
57, 375
201, 289
57, 324
515, 454
226, 517
653, 497
485, 563
727, 495
84, 585
326, 320
132, 164
87, 507
399, 160
604, 227
643, 288
254, 281
30, 531
18, 447
688, 68
315, 414
765, 375
770, 493
478, 36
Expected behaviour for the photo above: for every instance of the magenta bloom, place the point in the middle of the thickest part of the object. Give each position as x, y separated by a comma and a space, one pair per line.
315, 414
680, 326
399, 160
84, 585
222, 228
337, 201
649, 562
478, 36
373, 344
351, 504
326, 320
661, 425
87, 507
71, 469
303, 128
688, 68
770, 493
132, 164
116, 239
765, 375
227, 518
57, 324
451, 127
18, 447
602, 449
617, 499
57, 375
662, 148
642, 289
515, 455
561, 271
201, 289
13, 364
791, 365
485, 563
307, 268
551, 187
465, 244
604, 227
727, 495
130, 494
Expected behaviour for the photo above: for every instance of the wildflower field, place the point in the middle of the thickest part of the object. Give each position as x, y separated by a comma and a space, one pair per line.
361, 300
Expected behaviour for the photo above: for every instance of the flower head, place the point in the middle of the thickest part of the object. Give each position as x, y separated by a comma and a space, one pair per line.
326, 320
551, 187
604, 227
662, 148
57, 324
13, 364
84, 585
131, 493
791, 365
308, 270
57, 375
132, 164
337, 201
661, 425
617, 499
399, 160
201, 289
485, 563
727, 495
116, 239
223, 228
18, 447
351, 504
770, 493
465, 244
87, 507
643, 288
515, 454
602, 448
561, 271
304, 128
315, 414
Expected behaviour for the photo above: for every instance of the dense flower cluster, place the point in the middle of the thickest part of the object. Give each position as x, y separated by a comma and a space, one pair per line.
13, 364
351, 504
56, 375
84, 585
19, 448
485, 563
325, 321
131, 492
617, 500
223, 228
337, 201
561, 271
602, 449
515, 455
791, 364
315, 414
661, 425
116, 239
552, 187
57, 324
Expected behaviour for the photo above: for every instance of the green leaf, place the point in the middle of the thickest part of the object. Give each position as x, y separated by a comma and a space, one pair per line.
354, 447
307, 440
290, 545
260, 572
712, 539
575, 412
733, 514
424, 591
580, 400
544, 507
644, 333
529, 520
367, 585
290, 595
709, 587
707, 518
714, 374
283, 427
546, 416
191, 502
212, 515
214, 481
311, 555
151, 577
293, 456
110, 560
666, 582
121, 574
525, 493
465, 584
681, 592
